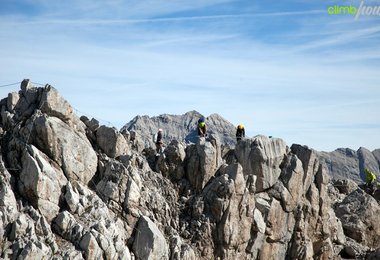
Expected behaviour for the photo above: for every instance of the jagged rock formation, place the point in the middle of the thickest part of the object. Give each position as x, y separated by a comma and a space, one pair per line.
349, 164
72, 189
180, 127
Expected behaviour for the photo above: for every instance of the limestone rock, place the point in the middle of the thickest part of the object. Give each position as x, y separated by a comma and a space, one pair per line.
262, 157
53, 104
345, 186
111, 141
149, 242
374, 255
174, 160
92, 124
89, 244
181, 250
113, 183
28, 100
41, 183
31, 236
70, 149
359, 213
202, 160
35, 250
13, 98
8, 203
181, 127
367, 160
376, 153
349, 164
71, 189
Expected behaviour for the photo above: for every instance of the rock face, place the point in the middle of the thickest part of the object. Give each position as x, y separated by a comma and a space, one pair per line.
181, 127
262, 157
44, 119
202, 160
73, 189
149, 242
111, 141
41, 182
350, 164
359, 215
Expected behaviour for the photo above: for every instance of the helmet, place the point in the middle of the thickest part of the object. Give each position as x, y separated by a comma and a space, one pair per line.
200, 120
160, 130
202, 124
240, 126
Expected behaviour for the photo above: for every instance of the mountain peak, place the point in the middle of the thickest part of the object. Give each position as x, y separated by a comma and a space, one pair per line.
181, 127
71, 188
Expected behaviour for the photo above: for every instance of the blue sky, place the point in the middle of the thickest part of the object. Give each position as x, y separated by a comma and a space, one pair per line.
282, 68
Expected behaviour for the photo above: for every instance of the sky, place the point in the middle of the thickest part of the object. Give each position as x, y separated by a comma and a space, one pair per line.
287, 69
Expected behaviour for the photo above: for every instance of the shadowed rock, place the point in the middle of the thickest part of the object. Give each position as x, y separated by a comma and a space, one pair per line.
72, 189
181, 127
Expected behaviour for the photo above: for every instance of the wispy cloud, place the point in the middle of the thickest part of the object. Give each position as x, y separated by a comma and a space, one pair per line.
165, 19
286, 73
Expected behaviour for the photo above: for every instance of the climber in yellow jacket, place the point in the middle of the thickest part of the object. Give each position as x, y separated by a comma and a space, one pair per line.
371, 180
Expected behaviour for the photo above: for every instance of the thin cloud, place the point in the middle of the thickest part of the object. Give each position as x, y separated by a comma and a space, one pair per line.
163, 19
342, 38
264, 72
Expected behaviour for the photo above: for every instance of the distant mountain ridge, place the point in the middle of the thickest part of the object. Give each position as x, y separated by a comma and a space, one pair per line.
181, 127
345, 163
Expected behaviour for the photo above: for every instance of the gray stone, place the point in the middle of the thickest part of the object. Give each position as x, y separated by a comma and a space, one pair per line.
67, 147
21, 227
376, 153
345, 186
41, 183
259, 221
349, 164
262, 156
93, 124
53, 104
174, 160
8, 203
114, 181
149, 242
73, 199
310, 163
111, 141
181, 127
374, 255
12, 100
132, 195
89, 244
354, 250
201, 163
367, 160
7, 119
263, 202
358, 212
32, 251
66, 226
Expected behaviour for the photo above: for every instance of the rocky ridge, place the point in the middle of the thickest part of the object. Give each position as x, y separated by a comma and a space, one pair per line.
73, 189
180, 127
345, 163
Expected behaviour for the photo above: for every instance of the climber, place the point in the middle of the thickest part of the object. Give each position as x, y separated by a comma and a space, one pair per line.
371, 181
240, 132
202, 129
158, 141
